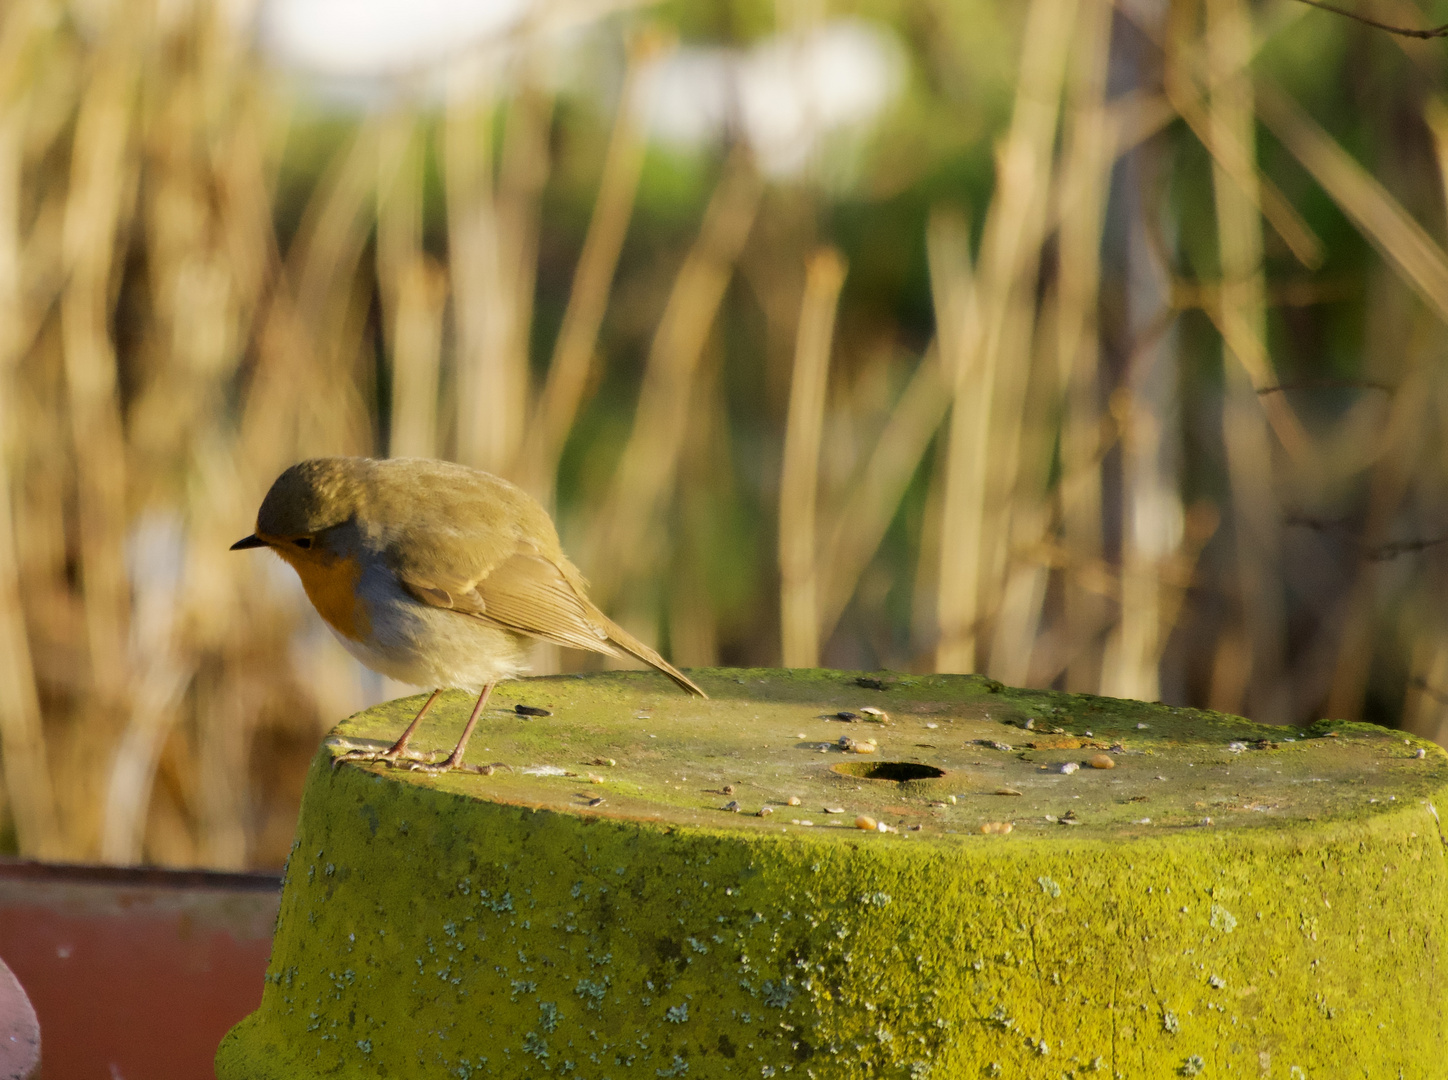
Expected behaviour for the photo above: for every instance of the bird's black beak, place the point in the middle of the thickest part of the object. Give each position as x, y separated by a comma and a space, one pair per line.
248, 542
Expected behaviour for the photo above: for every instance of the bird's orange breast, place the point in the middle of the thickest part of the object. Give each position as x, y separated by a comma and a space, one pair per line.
331, 586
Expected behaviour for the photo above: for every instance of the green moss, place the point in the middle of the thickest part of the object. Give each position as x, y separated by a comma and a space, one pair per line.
475, 926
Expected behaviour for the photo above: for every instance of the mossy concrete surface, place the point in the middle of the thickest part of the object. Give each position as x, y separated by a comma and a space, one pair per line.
1228, 900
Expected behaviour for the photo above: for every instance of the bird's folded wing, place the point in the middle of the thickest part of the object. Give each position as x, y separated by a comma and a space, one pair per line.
527, 593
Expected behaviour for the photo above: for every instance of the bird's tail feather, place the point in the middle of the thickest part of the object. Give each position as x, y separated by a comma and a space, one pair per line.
626, 641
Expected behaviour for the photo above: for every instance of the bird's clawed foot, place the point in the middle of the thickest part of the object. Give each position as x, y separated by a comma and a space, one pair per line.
408, 759
437, 768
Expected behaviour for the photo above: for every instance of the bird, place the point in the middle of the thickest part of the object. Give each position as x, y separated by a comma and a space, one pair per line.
434, 574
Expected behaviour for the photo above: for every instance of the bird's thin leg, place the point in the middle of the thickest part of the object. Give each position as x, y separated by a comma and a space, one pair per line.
398, 750
455, 759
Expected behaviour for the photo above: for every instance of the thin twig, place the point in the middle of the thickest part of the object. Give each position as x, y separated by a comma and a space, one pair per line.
1372, 553
1401, 31
1327, 384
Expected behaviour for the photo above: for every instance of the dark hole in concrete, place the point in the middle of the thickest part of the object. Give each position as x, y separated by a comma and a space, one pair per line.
898, 771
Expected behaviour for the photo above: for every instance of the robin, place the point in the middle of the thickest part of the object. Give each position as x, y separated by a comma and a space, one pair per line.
434, 574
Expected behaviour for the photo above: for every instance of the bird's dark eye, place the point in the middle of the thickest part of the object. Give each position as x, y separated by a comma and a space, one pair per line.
303, 541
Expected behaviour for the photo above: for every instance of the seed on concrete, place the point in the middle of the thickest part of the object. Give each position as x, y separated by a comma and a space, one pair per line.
864, 821
1102, 761
991, 828
793, 800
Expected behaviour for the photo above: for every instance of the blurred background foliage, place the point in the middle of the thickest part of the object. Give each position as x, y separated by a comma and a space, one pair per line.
1088, 345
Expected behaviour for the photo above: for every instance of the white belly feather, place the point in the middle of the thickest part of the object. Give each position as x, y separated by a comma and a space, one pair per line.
426, 646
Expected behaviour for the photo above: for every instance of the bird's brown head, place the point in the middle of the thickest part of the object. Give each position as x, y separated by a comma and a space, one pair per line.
309, 498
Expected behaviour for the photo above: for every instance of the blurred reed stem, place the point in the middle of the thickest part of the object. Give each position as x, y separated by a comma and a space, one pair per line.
480, 309
799, 475
874, 497
1405, 245
1010, 251
1009, 264
1018, 618
492, 237
706, 482
417, 358
957, 320
1232, 153
28, 791
1090, 150
1256, 518
522, 173
97, 209
412, 290
624, 536
573, 350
